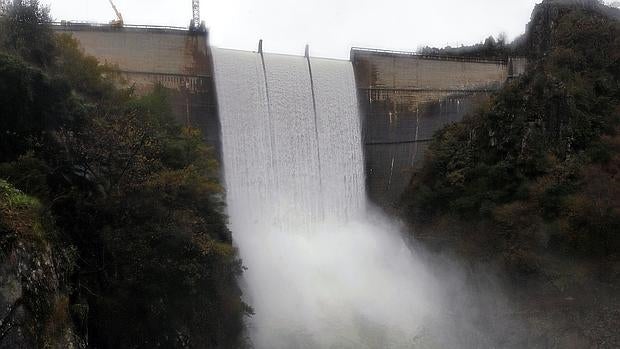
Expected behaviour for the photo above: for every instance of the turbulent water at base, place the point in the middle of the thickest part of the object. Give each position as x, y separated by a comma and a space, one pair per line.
323, 272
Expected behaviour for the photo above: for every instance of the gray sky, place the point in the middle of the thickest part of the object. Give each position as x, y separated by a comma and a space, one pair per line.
331, 27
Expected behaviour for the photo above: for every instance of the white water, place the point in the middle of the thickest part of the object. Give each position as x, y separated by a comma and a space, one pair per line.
322, 271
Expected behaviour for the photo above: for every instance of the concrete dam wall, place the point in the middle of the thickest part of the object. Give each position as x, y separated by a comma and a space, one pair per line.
404, 98
176, 58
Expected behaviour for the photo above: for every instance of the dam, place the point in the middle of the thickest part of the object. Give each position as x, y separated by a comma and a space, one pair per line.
403, 97
307, 145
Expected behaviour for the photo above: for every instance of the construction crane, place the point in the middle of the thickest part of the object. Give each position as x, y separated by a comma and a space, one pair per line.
196, 13
196, 24
118, 22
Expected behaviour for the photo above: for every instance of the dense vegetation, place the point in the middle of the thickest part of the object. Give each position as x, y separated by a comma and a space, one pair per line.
35, 267
490, 48
537, 169
133, 194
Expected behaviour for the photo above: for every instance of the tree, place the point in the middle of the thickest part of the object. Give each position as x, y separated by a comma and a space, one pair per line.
534, 149
31, 106
142, 202
132, 192
24, 31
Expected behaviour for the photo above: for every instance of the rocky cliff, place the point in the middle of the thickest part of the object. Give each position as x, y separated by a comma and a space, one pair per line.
544, 21
34, 301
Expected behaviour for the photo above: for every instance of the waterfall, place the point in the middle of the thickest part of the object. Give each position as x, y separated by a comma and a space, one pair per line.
289, 160
319, 273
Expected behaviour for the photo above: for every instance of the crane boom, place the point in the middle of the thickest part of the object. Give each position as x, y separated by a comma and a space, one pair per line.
119, 17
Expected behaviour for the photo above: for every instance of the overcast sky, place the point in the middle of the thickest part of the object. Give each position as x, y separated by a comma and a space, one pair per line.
331, 27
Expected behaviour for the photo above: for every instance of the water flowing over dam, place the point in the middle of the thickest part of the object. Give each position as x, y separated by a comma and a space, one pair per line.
320, 273
291, 138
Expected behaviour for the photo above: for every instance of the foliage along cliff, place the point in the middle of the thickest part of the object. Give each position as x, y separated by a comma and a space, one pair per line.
529, 185
536, 170
113, 208
34, 272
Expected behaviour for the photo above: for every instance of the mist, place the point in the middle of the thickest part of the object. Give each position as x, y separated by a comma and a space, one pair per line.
361, 285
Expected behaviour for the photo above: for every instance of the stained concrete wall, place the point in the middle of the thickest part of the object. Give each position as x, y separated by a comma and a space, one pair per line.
145, 49
393, 70
175, 58
405, 98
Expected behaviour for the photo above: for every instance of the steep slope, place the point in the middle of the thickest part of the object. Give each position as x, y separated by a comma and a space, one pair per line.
534, 149
34, 272
531, 182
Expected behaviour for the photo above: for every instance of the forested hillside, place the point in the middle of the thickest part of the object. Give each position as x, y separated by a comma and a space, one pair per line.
111, 214
531, 182
538, 166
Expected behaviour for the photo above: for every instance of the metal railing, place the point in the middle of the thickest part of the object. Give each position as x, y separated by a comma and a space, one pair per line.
428, 56
69, 24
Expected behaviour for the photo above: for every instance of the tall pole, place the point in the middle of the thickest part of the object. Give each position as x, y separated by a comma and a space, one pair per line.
196, 13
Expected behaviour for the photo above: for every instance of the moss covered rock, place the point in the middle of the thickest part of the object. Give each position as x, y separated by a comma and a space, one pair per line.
34, 301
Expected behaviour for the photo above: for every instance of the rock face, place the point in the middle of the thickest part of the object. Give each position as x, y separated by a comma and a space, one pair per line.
546, 14
34, 296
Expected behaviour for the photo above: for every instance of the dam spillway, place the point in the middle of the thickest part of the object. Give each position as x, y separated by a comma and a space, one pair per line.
292, 156
292, 150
